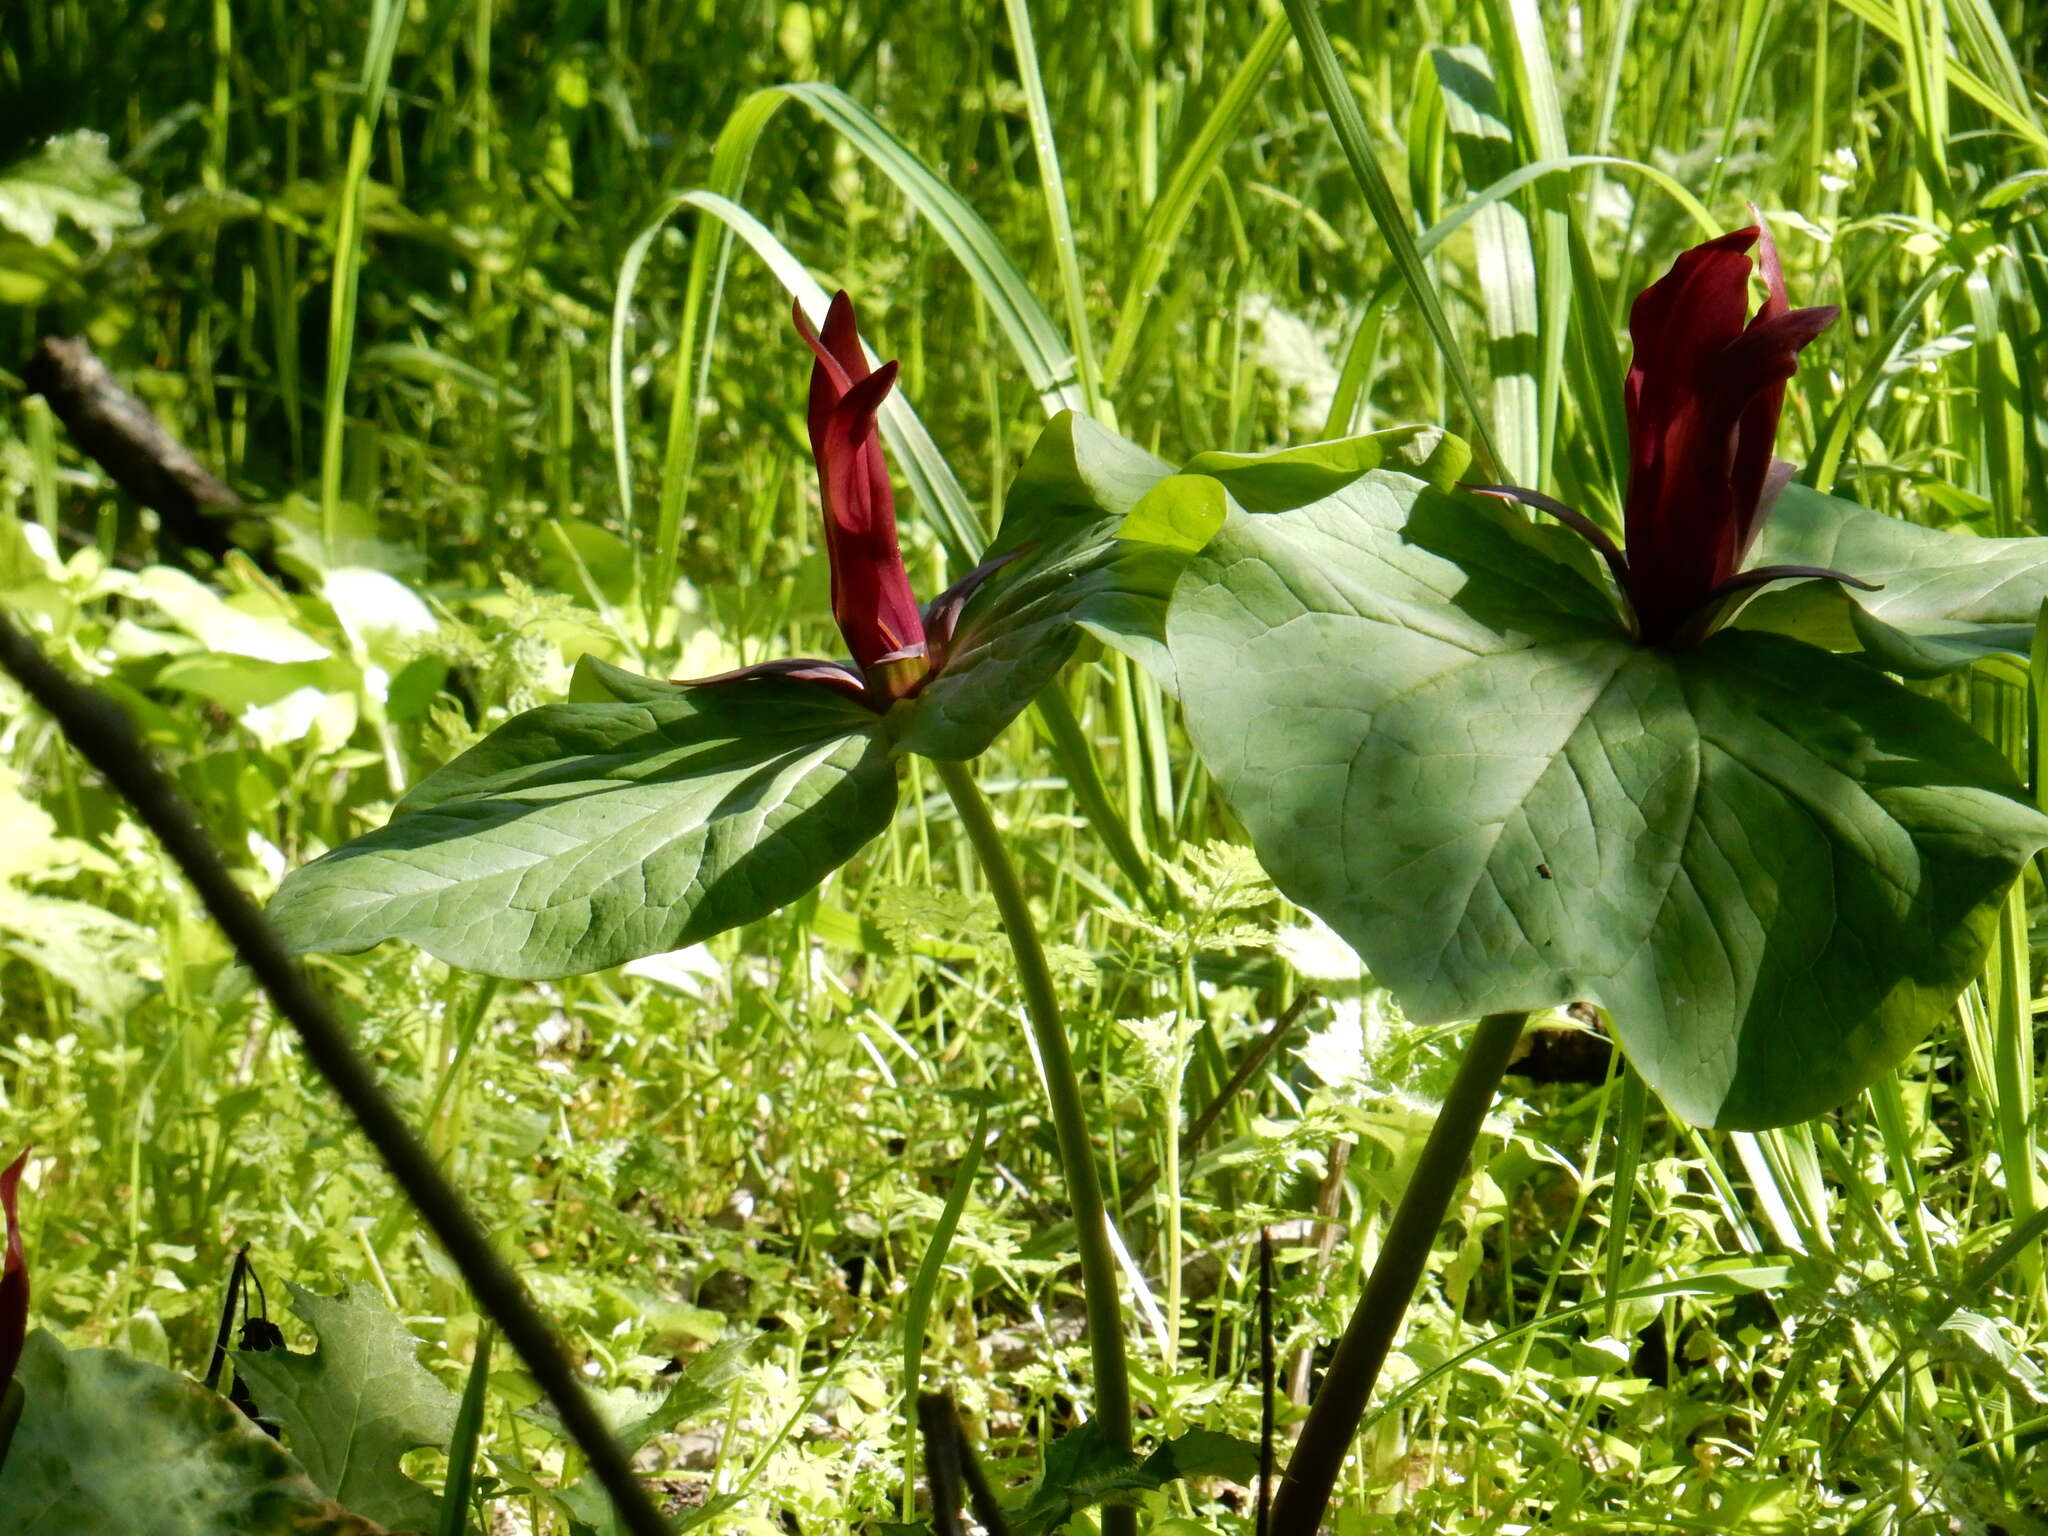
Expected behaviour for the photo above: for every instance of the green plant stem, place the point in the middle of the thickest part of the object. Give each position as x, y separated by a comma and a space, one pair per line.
104, 735
1070, 1123
1340, 1402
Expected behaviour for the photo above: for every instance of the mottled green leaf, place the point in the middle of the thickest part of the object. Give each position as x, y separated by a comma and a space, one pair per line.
1180, 512
1773, 866
1020, 630
1070, 514
1294, 477
1077, 473
356, 1405
702, 1389
109, 1445
71, 178
1081, 473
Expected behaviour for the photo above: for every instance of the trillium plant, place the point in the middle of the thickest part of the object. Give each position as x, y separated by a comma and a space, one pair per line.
1518, 764
645, 815
1516, 777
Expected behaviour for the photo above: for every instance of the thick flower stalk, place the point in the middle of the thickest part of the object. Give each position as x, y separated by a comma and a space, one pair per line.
896, 646
1704, 394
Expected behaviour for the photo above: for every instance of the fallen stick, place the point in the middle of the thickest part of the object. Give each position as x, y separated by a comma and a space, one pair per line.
120, 434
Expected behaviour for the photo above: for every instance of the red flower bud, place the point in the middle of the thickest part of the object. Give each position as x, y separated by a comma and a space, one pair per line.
1703, 398
896, 648
871, 597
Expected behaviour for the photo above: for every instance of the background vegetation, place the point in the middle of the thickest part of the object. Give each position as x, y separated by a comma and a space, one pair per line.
367, 262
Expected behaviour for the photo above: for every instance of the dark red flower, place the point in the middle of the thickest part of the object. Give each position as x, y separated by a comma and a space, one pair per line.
1704, 394
896, 647
13, 1283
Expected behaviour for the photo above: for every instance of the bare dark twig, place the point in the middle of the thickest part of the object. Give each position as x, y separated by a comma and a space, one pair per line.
119, 433
950, 1463
102, 733
218, 1362
981, 1498
941, 1462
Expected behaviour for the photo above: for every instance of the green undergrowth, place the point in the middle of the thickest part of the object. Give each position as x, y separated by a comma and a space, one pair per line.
404, 362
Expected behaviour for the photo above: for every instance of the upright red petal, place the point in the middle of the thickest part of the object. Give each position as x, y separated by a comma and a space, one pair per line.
1703, 398
1775, 302
13, 1277
1679, 325
841, 361
1757, 367
871, 596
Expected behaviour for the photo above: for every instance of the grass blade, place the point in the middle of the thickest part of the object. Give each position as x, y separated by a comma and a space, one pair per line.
917, 1306
1349, 126
1057, 217
1170, 213
1628, 1156
1519, 35
462, 1448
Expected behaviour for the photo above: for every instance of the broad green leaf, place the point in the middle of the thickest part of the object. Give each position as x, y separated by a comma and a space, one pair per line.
1945, 599
637, 1417
99, 954
109, 1445
1020, 630
1181, 512
356, 1405
1774, 867
702, 1389
1014, 638
1129, 613
1077, 473
583, 835
246, 627
1071, 516
1084, 484
385, 619
1294, 477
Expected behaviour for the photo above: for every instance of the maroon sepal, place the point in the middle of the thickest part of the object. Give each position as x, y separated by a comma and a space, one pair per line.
798, 669
1710, 614
1571, 517
942, 613
1721, 604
